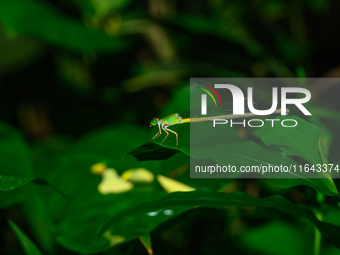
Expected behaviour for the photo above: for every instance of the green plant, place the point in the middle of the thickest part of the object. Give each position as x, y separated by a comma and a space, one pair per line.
80, 81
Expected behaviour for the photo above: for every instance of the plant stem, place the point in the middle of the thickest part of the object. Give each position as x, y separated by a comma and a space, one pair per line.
317, 236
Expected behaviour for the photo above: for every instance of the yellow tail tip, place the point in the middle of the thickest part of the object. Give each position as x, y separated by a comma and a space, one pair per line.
280, 110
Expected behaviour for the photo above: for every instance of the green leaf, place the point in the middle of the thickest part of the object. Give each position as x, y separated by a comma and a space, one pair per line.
146, 241
9, 183
83, 218
302, 140
238, 154
272, 238
154, 151
54, 27
16, 157
189, 200
325, 113
79, 219
26, 243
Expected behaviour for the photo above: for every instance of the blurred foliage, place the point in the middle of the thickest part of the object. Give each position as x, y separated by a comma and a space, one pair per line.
28, 246
80, 81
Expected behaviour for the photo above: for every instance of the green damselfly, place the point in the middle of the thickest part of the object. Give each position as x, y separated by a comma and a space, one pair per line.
176, 118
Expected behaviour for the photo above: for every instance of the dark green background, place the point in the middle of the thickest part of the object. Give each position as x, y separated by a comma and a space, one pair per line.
80, 81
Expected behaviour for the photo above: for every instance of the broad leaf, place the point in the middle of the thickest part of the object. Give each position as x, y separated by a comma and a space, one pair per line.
302, 140
9, 183
272, 238
247, 153
26, 243
16, 159
79, 220
154, 151
82, 221
179, 201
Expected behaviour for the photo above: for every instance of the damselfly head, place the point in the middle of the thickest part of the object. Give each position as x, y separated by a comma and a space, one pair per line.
154, 122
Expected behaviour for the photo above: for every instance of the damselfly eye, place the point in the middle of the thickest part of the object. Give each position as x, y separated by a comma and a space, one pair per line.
153, 123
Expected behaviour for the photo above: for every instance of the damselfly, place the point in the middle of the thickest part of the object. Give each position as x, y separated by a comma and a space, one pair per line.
176, 118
